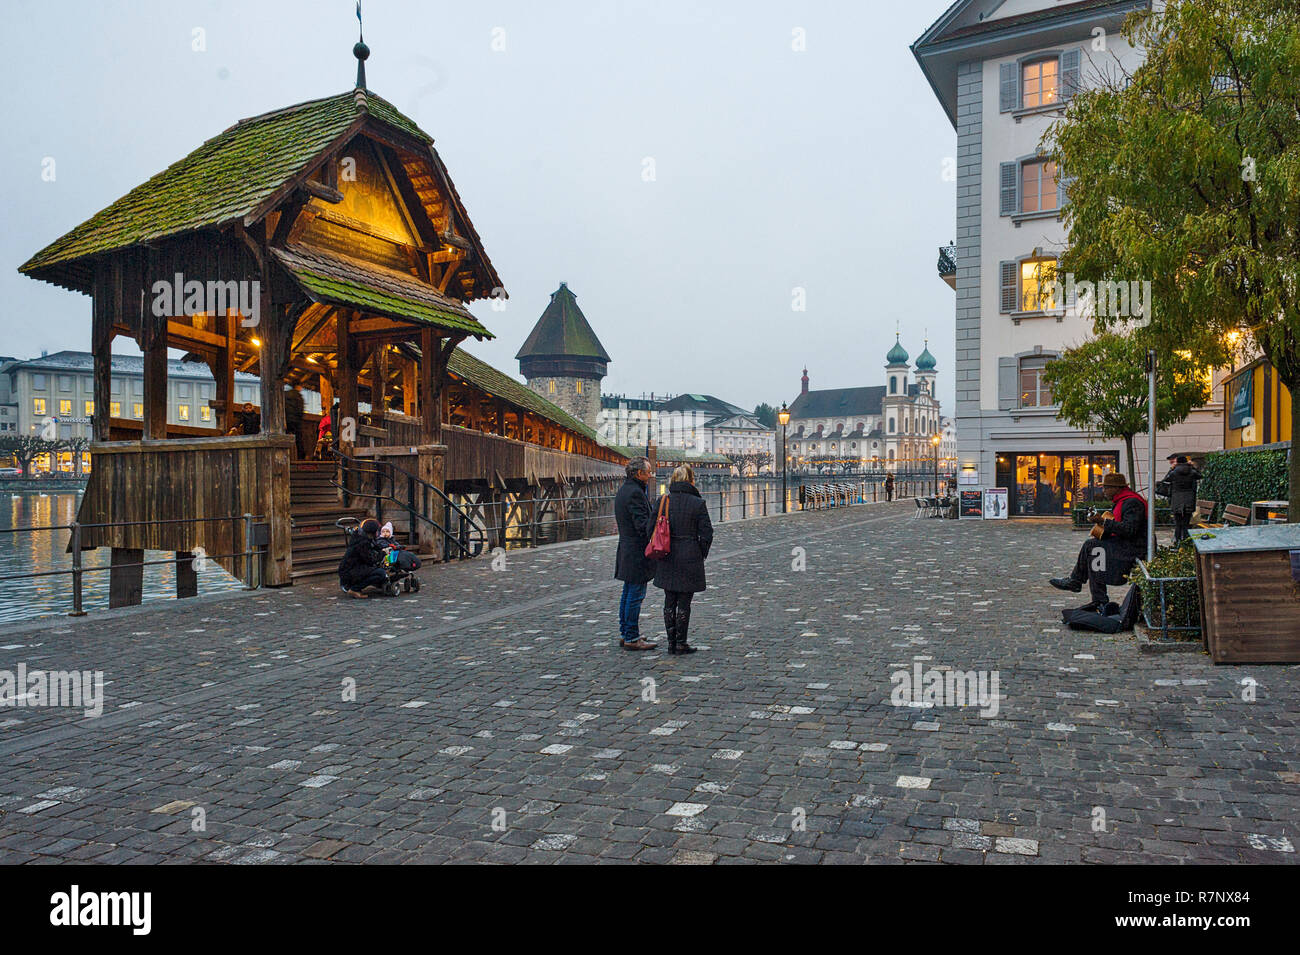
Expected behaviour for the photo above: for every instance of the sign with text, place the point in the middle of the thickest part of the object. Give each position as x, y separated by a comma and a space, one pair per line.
995, 503
971, 505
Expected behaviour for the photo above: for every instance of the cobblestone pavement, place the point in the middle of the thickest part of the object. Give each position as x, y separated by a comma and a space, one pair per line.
495, 719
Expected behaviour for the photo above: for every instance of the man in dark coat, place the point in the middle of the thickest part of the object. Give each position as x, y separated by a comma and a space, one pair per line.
250, 421
362, 564
1182, 478
635, 525
889, 486
680, 575
293, 411
1106, 560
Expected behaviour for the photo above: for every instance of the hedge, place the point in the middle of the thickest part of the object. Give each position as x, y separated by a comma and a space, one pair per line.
1244, 476
1182, 596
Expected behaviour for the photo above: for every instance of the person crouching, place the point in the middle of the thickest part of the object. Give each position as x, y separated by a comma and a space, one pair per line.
362, 564
1108, 559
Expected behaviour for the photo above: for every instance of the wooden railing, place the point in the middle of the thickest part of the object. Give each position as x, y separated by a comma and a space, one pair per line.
478, 456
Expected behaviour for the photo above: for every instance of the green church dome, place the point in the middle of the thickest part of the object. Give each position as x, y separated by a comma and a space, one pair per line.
898, 354
925, 361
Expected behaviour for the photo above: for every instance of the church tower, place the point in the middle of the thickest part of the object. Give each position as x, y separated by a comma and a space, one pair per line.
895, 408
562, 359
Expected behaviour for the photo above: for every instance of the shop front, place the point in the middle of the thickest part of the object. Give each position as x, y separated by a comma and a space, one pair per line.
1052, 483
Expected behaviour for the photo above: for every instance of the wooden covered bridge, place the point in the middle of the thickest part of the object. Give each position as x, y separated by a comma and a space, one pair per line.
321, 245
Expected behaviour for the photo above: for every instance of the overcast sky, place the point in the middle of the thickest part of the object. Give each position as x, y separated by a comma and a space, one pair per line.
773, 169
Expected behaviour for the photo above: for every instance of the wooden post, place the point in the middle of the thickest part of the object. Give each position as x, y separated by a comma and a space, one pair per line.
345, 382
101, 338
430, 387
155, 383
126, 583
410, 389
271, 357
187, 578
379, 384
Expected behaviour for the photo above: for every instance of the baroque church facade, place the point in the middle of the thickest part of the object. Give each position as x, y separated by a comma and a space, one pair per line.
885, 427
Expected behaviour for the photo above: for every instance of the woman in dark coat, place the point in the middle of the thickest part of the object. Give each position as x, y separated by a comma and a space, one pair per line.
680, 575
1182, 478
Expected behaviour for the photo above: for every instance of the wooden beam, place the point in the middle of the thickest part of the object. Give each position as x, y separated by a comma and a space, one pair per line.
101, 344
345, 380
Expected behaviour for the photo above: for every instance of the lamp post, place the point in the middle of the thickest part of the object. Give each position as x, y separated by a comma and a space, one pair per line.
934, 441
784, 417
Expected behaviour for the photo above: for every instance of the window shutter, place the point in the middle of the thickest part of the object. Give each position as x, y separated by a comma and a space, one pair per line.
1010, 290
1060, 189
1071, 70
1009, 87
1008, 384
1010, 188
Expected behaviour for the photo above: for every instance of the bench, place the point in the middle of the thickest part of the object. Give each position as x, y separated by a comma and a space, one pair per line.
1236, 515
1204, 513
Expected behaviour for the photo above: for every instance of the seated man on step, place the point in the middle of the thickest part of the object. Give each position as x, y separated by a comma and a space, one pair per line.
1116, 543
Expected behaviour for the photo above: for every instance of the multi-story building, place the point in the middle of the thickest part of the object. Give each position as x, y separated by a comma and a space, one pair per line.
696, 422
54, 394
627, 422
1004, 70
885, 427
562, 359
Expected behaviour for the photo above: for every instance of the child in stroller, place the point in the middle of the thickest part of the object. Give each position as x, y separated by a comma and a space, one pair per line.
374, 561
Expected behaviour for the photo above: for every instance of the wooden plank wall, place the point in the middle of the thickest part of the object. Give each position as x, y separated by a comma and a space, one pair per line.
187, 479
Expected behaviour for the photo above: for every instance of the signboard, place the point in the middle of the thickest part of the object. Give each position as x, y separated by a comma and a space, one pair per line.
995, 503
971, 505
969, 476
1243, 402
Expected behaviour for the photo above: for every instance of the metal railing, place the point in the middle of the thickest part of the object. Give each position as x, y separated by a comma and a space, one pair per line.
468, 539
253, 569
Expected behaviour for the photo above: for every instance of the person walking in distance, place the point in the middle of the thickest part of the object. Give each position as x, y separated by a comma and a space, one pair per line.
635, 524
889, 486
680, 575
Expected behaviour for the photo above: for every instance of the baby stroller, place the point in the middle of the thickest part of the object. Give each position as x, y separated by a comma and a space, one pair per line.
399, 565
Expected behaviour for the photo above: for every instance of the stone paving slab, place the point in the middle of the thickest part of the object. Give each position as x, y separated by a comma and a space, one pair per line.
492, 718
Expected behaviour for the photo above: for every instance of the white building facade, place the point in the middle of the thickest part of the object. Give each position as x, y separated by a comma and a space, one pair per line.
1004, 72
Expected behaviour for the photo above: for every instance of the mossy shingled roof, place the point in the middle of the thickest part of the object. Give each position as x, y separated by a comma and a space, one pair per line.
562, 331
479, 373
226, 178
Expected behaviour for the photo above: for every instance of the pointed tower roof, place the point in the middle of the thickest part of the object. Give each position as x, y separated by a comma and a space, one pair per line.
563, 332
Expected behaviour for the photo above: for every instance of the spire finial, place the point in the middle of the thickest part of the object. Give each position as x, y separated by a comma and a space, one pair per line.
361, 51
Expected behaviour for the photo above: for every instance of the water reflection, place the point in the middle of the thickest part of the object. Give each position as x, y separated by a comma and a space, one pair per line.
26, 553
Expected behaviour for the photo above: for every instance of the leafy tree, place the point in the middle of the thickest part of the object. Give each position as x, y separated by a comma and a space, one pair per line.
1101, 386
1187, 175
766, 415
27, 447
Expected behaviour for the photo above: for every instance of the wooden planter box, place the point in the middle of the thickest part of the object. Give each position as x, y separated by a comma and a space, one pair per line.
1250, 604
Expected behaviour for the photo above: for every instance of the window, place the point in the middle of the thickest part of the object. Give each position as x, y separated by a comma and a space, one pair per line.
1039, 83
1027, 286
205, 413
1038, 186
183, 389
65, 382
137, 410
183, 412
65, 406
38, 406
893, 385
577, 386
116, 386
90, 408
891, 425
115, 409
1034, 393
38, 382
550, 387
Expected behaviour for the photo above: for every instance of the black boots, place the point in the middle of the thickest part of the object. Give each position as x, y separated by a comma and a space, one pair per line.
676, 621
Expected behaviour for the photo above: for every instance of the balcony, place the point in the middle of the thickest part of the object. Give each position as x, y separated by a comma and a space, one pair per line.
948, 264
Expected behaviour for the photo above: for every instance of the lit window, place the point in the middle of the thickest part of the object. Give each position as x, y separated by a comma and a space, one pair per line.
1036, 293
38, 406
1038, 186
1039, 83
205, 413
115, 409
137, 410
90, 408
577, 386
183, 412
65, 406
1034, 392
550, 387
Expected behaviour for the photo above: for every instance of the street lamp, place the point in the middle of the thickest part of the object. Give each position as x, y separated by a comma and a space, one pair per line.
784, 417
934, 441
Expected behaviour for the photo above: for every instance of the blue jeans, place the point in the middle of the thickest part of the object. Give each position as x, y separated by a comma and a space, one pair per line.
629, 611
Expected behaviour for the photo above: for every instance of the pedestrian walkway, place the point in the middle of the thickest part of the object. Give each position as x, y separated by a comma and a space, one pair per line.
492, 717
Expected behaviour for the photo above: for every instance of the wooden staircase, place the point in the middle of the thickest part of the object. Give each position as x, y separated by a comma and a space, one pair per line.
314, 507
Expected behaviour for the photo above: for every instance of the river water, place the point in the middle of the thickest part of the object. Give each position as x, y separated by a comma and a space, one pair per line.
46, 550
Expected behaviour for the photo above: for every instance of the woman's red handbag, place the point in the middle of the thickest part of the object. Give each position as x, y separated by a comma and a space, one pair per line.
657, 549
